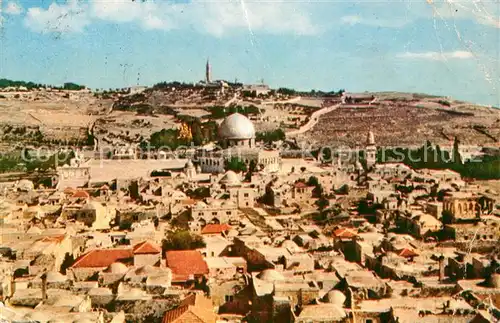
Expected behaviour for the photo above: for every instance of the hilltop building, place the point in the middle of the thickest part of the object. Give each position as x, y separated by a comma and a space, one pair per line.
237, 139
207, 73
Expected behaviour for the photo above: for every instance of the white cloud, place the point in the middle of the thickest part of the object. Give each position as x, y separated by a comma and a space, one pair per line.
13, 8
351, 20
484, 12
64, 18
212, 17
271, 17
220, 17
437, 56
375, 22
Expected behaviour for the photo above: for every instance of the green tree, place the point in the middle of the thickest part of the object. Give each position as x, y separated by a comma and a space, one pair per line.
72, 86
199, 193
322, 203
197, 132
236, 165
182, 240
447, 217
313, 181
270, 136
252, 167
166, 138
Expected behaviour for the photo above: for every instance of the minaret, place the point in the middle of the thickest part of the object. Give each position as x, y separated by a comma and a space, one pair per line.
370, 150
207, 72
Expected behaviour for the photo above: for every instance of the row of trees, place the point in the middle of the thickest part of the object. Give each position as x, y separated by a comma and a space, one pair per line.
182, 240
202, 132
429, 156
219, 112
292, 92
32, 85
21, 160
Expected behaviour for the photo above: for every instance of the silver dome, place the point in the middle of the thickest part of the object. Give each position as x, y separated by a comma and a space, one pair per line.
236, 126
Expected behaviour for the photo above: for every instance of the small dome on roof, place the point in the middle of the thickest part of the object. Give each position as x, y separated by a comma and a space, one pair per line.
335, 297
34, 230
117, 268
102, 291
36, 316
270, 275
236, 126
25, 185
289, 244
56, 320
200, 205
83, 320
230, 178
55, 277
233, 233
65, 300
145, 270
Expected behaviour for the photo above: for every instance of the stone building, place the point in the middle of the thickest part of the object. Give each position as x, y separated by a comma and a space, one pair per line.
76, 174
231, 185
215, 211
237, 139
461, 206
146, 253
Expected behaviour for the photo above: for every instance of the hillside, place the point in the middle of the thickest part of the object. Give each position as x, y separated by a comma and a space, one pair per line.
407, 119
122, 117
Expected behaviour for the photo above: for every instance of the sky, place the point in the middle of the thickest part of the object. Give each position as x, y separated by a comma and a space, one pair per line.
442, 47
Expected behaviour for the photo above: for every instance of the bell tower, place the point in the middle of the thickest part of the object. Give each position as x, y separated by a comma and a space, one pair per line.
207, 72
370, 150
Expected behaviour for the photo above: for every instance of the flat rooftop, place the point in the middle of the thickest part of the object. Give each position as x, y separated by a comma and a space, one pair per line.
105, 170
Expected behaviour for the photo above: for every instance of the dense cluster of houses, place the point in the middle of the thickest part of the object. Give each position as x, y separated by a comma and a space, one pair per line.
386, 244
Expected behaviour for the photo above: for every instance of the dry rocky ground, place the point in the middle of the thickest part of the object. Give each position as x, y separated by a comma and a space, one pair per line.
395, 118
408, 120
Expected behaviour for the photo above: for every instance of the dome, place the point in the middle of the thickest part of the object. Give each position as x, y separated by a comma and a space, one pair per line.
100, 291
236, 126
146, 270
233, 233
289, 244
65, 301
230, 178
189, 164
270, 275
83, 320
25, 185
37, 316
335, 297
55, 277
117, 268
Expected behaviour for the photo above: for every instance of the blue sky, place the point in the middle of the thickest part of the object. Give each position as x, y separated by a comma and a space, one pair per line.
446, 47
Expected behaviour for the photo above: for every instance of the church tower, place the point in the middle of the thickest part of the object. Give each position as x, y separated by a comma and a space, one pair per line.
207, 72
370, 150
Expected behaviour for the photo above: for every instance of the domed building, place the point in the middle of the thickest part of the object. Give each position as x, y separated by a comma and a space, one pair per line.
237, 130
237, 139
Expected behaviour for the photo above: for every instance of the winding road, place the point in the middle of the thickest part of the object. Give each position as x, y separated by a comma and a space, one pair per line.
313, 120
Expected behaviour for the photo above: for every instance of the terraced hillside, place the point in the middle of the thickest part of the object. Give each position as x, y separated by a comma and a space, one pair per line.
408, 120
